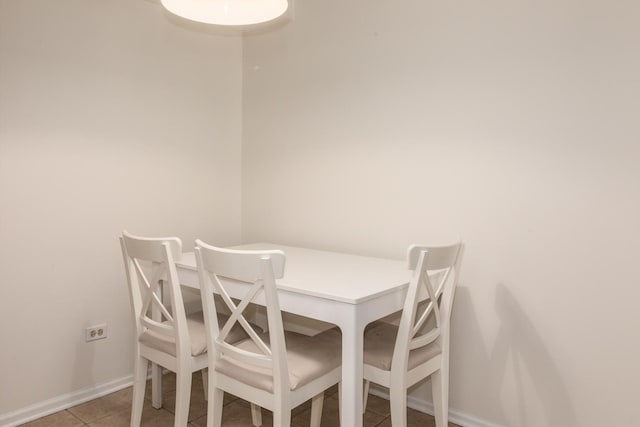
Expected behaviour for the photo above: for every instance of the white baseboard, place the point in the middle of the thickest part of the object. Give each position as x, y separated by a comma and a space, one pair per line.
59, 403
455, 416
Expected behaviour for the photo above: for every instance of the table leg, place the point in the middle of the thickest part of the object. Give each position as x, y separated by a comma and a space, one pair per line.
352, 364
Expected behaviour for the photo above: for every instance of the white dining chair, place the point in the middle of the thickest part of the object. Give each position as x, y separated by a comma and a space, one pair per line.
399, 356
276, 370
164, 333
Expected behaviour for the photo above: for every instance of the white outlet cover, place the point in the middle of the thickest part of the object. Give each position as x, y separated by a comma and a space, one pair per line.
97, 335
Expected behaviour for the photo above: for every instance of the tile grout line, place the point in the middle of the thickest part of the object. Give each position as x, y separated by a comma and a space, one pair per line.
84, 423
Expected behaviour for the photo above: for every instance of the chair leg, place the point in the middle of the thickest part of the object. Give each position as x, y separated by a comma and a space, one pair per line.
256, 415
317, 402
156, 385
183, 397
214, 406
139, 385
340, 400
365, 395
440, 392
205, 381
282, 417
398, 403
281, 413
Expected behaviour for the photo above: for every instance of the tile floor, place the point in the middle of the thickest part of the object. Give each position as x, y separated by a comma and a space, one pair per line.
114, 409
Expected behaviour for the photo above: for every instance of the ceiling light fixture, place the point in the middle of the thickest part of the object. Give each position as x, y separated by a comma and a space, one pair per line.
227, 12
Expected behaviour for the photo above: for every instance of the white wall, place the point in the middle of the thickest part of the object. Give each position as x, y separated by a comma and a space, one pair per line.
369, 125
112, 116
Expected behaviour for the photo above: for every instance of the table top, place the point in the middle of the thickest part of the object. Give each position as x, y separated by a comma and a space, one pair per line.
337, 276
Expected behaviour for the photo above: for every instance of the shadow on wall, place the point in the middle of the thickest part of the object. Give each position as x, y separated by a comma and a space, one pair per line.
519, 345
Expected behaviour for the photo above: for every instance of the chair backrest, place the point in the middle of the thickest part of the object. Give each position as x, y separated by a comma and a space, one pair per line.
148, 261
219, 268
435, 275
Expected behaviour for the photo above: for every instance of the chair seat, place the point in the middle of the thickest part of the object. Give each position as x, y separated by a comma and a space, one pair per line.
197, 335
379, 343
308, 358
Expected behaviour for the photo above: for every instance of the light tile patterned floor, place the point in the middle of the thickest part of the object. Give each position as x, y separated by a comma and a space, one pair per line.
114, 409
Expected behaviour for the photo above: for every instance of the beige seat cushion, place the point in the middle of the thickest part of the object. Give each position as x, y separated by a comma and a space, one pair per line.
308, 358
379, 342
197, 335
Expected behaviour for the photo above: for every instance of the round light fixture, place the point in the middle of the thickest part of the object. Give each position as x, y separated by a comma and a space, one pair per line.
227, 12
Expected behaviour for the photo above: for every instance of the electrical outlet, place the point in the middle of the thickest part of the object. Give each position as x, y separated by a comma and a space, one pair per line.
97, 332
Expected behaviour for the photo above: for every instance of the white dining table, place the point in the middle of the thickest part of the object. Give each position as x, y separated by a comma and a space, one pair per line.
347, 290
